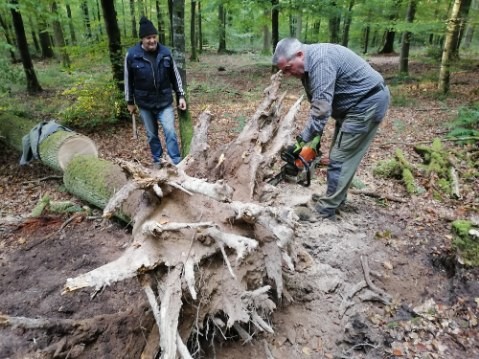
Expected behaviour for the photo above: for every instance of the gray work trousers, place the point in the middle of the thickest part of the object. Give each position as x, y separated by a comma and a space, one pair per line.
352, 138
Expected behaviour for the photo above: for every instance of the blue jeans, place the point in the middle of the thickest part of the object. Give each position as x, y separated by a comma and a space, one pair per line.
166, 117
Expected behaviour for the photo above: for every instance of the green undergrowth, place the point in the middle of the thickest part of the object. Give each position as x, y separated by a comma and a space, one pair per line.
466, 242
465, 127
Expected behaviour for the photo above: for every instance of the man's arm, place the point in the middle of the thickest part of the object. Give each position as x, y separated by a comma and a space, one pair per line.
321, 83
178, 86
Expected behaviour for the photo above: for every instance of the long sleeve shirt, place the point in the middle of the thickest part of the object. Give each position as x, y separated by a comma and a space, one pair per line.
335, 80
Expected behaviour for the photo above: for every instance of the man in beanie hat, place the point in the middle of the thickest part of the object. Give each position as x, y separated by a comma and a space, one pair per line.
151, 76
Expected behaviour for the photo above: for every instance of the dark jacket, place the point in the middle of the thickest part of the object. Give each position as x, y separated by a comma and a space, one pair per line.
140, 84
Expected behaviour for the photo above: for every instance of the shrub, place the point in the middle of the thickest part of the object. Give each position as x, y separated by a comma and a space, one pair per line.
95, 104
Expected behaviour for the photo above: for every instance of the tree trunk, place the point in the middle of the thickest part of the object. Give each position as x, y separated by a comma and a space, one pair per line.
99, 33
266, 34
6, 31
274, 28
367, 30
200, 29
161, 23
334, 22
86, 19
177, 16
452, 25
406, 39
347, 24
458, 34
58, 36
45, 40
36, 43
114, 42
221, 28
73, 35
390, 33
33, 86
194, 55
134, 33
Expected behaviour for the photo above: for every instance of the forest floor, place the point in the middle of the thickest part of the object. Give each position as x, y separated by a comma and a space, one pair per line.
406, 240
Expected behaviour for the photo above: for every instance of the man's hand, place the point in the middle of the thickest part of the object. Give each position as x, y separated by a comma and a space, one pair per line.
294, 150
132, 109
315, 142
182, 104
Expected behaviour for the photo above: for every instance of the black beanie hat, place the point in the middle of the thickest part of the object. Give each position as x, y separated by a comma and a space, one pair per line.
147, 28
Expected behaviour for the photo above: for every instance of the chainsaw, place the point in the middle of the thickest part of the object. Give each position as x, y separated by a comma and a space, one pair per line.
297, 169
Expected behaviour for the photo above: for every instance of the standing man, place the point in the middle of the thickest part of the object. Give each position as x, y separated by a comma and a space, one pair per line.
151, 76
339, 84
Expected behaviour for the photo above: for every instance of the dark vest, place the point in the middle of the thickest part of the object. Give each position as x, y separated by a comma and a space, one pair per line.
151, 92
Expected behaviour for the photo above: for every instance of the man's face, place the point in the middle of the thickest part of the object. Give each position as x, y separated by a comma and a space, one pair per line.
149, 42
293, 67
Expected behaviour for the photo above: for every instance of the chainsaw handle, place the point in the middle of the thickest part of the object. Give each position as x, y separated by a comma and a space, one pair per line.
308, 172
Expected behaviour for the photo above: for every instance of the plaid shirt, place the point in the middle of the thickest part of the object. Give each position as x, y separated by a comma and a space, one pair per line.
336, 79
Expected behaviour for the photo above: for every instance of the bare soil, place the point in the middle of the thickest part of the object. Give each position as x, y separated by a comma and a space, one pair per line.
406, 240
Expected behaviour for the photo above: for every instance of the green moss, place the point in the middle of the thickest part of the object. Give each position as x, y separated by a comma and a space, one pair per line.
94, 180
40, 207
387, 169
409, 181
467, 246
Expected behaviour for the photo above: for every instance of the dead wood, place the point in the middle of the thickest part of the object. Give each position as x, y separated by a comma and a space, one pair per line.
206, 234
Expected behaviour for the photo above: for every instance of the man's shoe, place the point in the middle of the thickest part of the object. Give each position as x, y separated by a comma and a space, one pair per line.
326, 213
156, 165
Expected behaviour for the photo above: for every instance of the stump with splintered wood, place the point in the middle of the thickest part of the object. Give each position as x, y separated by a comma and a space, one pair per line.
208, 243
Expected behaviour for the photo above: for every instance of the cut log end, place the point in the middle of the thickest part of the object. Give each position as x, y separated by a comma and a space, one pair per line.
74, 146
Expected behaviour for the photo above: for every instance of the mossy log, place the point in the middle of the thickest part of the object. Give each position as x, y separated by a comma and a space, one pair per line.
55, 151
58, 149
13, 128
439, 168
400, 168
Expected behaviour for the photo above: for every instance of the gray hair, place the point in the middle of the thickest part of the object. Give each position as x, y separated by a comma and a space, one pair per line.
287, 48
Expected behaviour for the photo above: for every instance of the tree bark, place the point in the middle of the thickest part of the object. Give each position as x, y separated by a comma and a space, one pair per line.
406, 39
114, 42
6, 31
347, 23
221, 28
86, 19
161, 23
134, 32
45, 40
452, 25
194, 55
177, 16
58, 36
334, 23
33, 86
73, 35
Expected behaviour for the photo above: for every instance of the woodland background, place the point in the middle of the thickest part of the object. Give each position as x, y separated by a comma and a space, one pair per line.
63, 60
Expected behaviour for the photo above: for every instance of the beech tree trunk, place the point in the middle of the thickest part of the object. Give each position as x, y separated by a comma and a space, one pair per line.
114, 42
406, 39
448, 49
33, 86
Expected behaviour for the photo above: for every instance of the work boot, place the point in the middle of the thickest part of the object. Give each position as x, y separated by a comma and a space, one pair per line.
326, 213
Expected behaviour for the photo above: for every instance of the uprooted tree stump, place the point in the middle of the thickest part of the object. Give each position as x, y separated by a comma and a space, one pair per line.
208, 244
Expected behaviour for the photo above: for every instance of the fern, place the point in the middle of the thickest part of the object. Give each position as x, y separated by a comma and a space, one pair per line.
466, 123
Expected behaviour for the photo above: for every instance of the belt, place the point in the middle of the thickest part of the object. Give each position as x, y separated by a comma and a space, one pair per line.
379, 87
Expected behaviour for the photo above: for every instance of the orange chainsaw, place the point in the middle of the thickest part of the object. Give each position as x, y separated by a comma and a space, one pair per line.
298, 169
